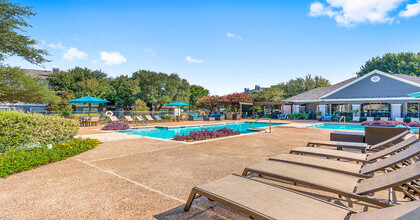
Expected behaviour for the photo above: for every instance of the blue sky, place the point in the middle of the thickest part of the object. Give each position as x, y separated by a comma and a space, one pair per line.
224, 45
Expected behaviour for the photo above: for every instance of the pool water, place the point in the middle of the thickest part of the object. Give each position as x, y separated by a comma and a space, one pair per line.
169, 132
346, 127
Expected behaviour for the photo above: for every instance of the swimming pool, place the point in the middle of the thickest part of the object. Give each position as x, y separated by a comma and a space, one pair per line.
346, 127
169, 132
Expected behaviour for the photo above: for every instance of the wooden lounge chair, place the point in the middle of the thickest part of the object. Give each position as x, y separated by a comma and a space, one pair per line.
399, 119
149, 118
140, 118
113, 118
353, 156
261, 200
370, 119
355, 119
129, 119
360, 146
338, 183
395, 161
158, 118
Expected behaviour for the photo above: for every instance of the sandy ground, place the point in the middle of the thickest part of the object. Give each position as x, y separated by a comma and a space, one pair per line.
148, 179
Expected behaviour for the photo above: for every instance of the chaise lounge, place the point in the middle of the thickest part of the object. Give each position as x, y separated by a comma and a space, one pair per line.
195, 117
219, 117
261, 200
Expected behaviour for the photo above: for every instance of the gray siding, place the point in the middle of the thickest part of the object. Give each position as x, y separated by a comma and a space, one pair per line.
385, 87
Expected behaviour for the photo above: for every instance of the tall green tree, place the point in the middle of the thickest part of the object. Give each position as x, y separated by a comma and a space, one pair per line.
299, 85
272, 94
125, 91
197, 92
12, 42
82, 82
158, 89
16, 86
401, 63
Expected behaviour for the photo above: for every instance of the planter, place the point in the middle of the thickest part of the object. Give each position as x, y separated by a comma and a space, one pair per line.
319, 118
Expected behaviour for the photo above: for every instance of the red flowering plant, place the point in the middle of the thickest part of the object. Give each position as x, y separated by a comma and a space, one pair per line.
210, 102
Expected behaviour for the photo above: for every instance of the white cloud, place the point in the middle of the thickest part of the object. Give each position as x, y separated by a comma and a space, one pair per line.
94, 61
112, 58
192, 60
351, 12
74, 54
230, 35
151, 52
411, 10
58, 45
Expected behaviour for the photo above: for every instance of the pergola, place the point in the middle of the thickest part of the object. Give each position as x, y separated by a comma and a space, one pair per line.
264, 104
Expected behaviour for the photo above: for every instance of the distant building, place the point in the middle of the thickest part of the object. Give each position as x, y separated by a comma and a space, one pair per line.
376, 94
31, 107
257, 89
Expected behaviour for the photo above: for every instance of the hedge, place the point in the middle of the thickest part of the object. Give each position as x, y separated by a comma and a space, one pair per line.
20, 129
15, 160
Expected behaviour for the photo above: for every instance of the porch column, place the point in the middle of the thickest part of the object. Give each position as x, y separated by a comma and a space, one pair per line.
296, 108
356, 107
322, 109
395, 111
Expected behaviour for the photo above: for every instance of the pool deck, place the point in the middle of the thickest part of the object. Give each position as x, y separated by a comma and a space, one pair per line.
145, 178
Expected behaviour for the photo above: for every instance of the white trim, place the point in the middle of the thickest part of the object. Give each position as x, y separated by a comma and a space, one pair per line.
367, 75
367, 99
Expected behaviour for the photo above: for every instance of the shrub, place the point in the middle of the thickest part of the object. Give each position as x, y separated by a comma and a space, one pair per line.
20, 129
206, 134
116, 125
15, 160
391, 123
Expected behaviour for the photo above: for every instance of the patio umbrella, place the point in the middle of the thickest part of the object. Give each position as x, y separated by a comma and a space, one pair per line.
178, 104
415, 95
89, 100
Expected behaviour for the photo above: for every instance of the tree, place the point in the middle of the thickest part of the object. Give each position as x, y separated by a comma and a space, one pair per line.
16, 86
299, 85
12, 42
125, 91
82, 82
60, 104
197, 92
271, 94
401, 63
158, 89
140, 106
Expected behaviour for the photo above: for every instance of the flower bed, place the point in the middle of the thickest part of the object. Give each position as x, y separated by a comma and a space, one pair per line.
205, 134
116, 125
15, 160
391, 123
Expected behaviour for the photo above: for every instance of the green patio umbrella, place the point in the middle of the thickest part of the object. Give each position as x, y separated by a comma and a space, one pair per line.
89, 100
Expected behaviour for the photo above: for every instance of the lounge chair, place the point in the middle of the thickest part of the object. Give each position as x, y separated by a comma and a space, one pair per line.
355, 119
219, 117
261, 200
149, 118
282, 117
361, 170
399, 119
140, 118
129, 119
384, 118
113, 118
158, 118
370, 119
338, 183
326, 118
353, 156
195, 117
415, 119
360, 146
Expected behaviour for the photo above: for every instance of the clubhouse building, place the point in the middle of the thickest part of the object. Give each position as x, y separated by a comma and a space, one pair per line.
376, 94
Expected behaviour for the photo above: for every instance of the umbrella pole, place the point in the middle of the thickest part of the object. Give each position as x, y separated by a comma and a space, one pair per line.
89, 110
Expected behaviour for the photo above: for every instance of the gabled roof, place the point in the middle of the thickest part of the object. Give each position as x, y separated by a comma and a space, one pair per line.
318, 93
315, 94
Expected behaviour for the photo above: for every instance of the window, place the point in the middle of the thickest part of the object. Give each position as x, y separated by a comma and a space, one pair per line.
339, 107
376, 109
413, 109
